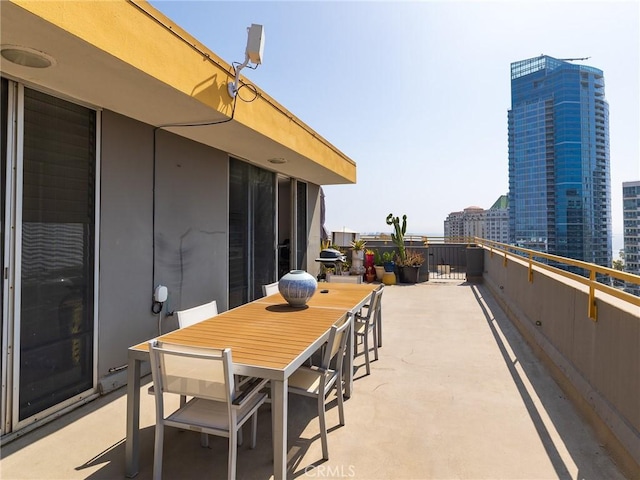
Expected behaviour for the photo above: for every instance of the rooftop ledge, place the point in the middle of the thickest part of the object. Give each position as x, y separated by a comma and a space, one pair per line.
127, 57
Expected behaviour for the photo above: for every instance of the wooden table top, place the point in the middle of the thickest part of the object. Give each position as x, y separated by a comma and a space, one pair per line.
259, 334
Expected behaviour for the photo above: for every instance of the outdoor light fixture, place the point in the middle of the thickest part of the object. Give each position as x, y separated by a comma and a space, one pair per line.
277, 161
253, 54
27, 57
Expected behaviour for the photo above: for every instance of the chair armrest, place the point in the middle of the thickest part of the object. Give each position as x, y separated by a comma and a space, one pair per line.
359, 318
250, 389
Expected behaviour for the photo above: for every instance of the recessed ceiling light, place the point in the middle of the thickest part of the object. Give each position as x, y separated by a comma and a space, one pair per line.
27, 57
277, 161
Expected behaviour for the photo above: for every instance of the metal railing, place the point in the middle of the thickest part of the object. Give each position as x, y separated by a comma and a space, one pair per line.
595, 277
445, 258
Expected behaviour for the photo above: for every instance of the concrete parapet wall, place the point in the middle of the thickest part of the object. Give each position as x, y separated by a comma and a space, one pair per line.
597, 363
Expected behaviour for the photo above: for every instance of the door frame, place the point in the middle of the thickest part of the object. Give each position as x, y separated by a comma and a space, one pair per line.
12, 426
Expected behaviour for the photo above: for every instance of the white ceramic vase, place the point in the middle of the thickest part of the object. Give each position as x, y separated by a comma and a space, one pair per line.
297, 287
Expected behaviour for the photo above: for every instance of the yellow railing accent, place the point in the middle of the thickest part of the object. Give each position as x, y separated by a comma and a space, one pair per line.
593, 311
591, 282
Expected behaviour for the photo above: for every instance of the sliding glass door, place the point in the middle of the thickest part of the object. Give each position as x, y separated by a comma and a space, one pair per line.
51, 194
252, 237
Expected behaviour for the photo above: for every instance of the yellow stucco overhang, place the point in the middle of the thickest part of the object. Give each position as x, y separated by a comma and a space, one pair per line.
127, 57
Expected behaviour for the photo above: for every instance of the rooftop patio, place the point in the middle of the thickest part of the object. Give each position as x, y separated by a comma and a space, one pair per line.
456, 393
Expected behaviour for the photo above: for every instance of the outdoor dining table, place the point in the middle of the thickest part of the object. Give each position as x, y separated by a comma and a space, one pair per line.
268, 339
345, 296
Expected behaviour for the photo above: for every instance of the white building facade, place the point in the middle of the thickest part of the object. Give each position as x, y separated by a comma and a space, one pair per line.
631, 219
492, 224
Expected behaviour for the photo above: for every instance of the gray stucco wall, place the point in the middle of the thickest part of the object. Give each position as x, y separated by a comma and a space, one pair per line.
191, 222
597, 363
313, 235
190, 232
126, 261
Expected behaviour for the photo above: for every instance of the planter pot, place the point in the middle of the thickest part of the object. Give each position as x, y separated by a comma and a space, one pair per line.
297, 287
368, 259
389, 266
379, 272
389, 278
357, 260
409, 274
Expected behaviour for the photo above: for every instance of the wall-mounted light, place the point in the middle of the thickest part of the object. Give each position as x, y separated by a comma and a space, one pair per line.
26, 57
277, 161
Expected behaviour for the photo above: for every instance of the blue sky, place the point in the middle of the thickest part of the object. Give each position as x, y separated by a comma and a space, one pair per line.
417, 93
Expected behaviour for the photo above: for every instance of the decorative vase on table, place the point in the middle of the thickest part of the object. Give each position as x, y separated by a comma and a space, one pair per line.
297, 287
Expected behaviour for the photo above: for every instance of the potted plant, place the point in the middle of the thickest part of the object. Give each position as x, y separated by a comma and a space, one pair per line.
357, 256
398, 235
346, 266
388, 261
377, 265
410, 266
369, 257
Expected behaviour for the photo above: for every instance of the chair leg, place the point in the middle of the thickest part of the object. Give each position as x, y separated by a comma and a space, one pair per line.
366, 352
204, 440
323, 426
375, 341
340, 393
233, 453
157, 451
254, 429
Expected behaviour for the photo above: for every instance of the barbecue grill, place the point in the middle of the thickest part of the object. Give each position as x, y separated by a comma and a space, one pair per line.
330, 257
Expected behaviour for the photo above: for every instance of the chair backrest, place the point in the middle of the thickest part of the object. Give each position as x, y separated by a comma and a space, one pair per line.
375, 303
270, 289
193, 371
337, 343
194, 315
344, 278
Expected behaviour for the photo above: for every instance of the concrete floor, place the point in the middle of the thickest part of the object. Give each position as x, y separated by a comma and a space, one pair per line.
456, 394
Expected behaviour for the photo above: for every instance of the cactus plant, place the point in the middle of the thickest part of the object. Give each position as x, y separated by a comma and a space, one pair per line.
398, 236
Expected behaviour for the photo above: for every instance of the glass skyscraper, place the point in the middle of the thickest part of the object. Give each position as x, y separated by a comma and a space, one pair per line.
559, 180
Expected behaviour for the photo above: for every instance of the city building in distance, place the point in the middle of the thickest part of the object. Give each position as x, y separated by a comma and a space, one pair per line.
492, 224
559, 180
631, 218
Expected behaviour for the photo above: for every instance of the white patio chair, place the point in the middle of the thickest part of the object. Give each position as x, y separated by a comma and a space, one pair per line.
194, 315
197, 314
206, 374
188, 317
270, 289
366, 321
318, 381
344, 278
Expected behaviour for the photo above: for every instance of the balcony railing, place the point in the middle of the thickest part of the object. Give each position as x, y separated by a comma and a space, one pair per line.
595, 277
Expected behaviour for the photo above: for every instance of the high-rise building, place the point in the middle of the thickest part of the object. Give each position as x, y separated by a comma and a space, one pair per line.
559, 181
631, 219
